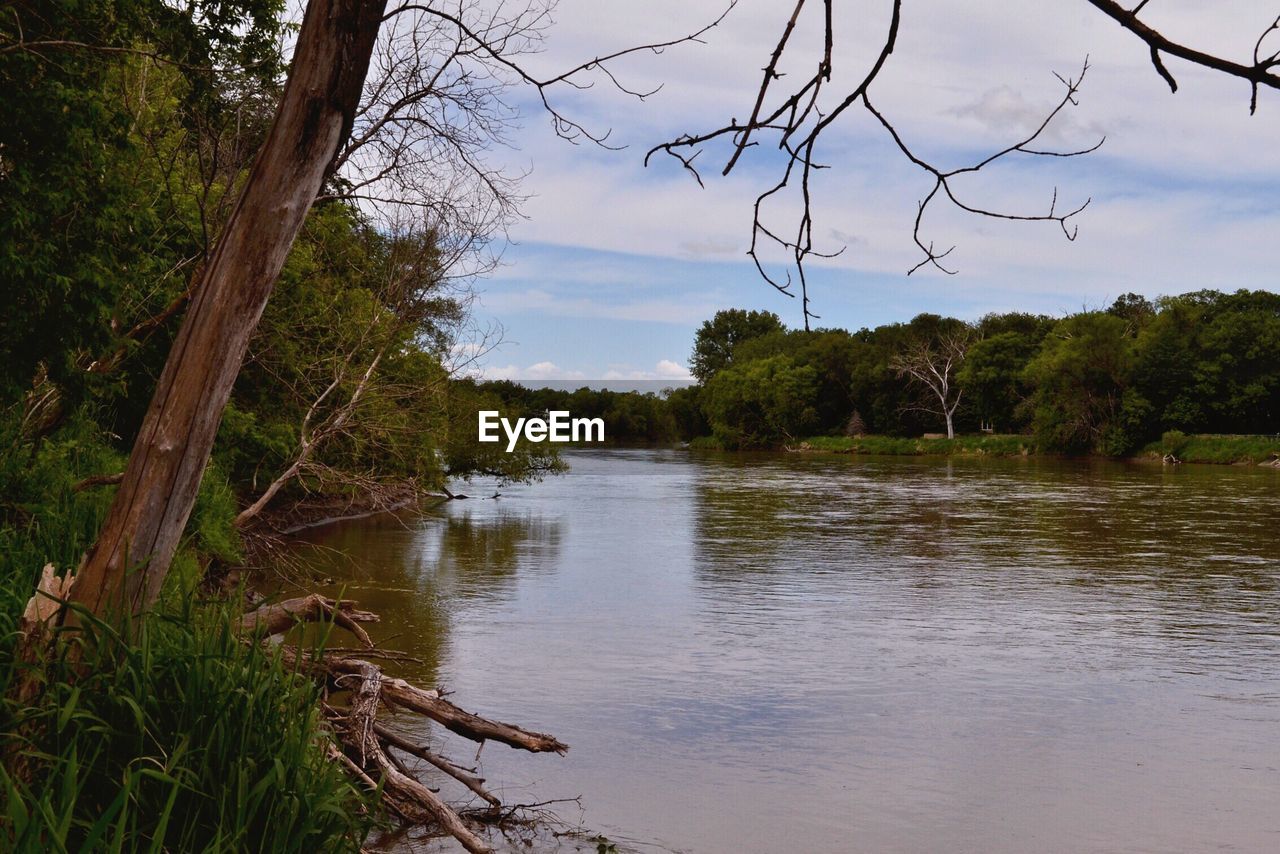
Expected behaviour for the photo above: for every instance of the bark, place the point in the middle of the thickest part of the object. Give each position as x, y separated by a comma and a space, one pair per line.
279, 617
364, 744
126, 567
471, 781
407, 796
397, 692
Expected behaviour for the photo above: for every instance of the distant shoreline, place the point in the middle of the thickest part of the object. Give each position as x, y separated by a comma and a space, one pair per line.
1200, 449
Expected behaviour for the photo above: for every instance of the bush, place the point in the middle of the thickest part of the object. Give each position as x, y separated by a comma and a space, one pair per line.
186, 740
1173, 442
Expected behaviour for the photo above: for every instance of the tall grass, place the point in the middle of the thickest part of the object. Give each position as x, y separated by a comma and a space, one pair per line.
1210, 448
179, 738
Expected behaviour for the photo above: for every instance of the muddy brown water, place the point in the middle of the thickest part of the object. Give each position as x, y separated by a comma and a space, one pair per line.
784, 653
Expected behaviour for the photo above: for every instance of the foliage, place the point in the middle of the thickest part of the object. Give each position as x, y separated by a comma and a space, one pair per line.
713, 346
1095, 382
761, 402
95, 213
1080, 377
186, 740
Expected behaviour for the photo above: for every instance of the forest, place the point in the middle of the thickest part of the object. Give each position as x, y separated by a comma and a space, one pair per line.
1108, 382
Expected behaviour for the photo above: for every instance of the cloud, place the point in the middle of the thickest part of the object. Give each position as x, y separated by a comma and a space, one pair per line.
1006, 111
665, 369
711, 246
1183, 190
609, 307
536, 371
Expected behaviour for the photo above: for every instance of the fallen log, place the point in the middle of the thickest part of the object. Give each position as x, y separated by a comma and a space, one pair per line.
364, 744
279, 617
407, 796
398, 692
472, 782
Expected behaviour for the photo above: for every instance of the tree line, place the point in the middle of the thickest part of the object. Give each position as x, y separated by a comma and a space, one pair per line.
1102, 381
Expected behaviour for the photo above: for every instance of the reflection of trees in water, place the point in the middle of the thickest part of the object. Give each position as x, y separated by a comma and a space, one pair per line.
1189, 546
415, 573
481, 555
818, 515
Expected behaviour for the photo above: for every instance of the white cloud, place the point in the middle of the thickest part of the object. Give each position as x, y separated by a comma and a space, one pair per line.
536, 371
670, 310
665, 369
965, 77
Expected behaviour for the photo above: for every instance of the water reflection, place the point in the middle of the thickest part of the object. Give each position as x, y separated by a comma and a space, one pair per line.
423, 573
793, 653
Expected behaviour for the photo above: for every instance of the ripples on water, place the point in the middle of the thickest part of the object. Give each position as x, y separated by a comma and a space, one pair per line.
776, 654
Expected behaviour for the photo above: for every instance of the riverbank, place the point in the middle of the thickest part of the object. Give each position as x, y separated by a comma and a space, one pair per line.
1207, 449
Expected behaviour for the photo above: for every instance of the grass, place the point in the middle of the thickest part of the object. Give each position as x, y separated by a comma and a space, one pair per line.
1204, 448
1216, 449
983, 445
185, 739
182, 738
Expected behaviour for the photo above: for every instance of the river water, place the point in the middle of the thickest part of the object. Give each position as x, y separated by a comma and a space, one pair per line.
794, 653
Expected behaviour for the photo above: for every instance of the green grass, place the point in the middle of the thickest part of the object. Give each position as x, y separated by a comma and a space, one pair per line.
181, 739
185, 739
1217, 449
983, 445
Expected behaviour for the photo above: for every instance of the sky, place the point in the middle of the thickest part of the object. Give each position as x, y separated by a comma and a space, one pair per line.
613, 265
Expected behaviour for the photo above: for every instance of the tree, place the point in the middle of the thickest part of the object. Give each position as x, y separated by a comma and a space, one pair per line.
933, 364
794, 106
1210, 362
126, 567
716, 340
761, 403
994, 375
1081, 378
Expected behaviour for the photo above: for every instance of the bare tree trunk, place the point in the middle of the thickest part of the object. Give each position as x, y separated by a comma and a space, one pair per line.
126, 567
951, 431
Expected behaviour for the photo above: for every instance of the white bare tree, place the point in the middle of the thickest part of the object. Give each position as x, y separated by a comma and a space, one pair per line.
933, 365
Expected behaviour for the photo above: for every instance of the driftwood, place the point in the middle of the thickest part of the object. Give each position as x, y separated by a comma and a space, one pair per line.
279, 617
365, 746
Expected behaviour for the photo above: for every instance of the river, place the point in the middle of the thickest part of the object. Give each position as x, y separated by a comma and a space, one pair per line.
801, 653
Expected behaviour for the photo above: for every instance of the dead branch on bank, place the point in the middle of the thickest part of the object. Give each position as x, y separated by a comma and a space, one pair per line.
363, 744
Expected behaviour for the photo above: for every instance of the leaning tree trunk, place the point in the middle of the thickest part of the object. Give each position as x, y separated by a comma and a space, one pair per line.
123, 572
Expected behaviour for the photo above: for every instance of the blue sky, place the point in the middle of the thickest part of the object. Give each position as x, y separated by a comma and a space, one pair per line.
614, 266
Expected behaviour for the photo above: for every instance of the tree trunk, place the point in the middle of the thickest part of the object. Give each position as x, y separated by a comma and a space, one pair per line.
951, 430
123, 572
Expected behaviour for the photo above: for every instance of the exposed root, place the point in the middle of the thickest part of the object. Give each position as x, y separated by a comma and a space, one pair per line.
364, 745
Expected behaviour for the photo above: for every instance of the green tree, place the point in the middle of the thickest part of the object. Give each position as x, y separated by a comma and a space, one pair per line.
994, 375
761, 402
1081, 375
714, 344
